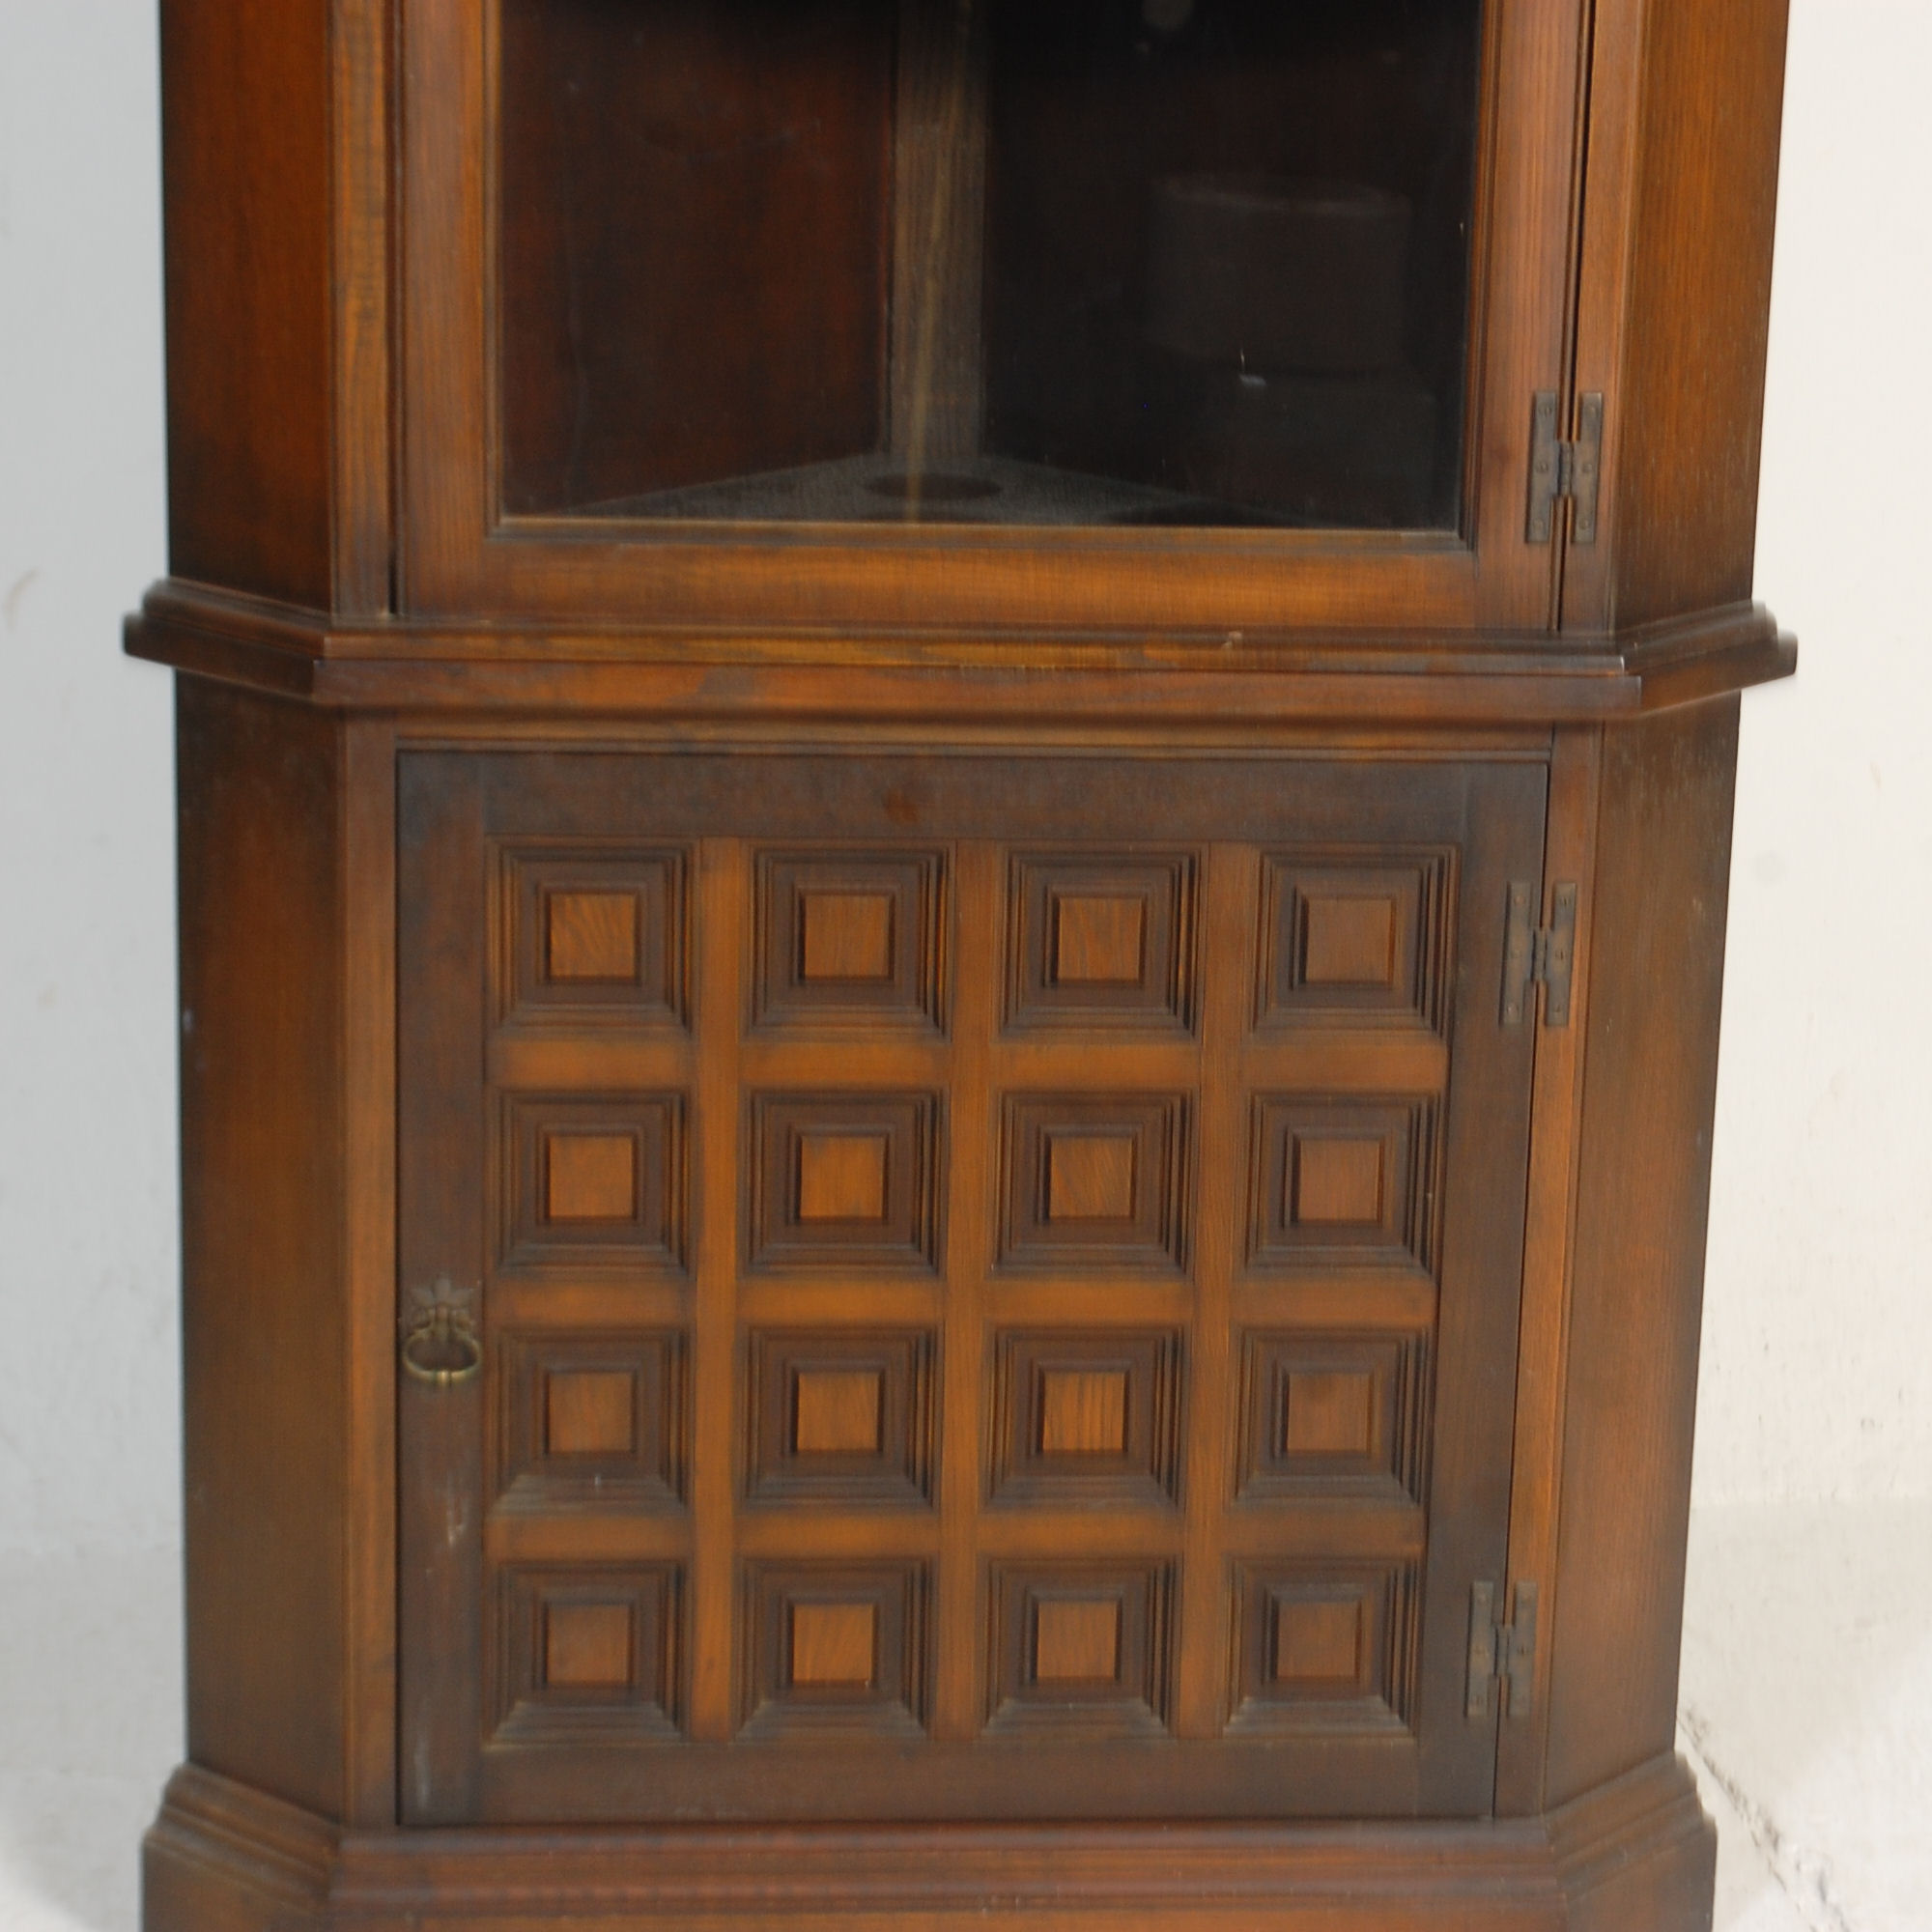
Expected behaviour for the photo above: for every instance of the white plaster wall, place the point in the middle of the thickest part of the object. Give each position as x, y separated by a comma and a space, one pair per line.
1819, 1322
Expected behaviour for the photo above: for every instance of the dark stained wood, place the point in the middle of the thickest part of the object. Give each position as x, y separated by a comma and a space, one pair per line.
1635, 1855
1021, 1277
1033, 1149
631, 140
268, 1503
1675, 298
1650, 1070
1156, 685
246, 143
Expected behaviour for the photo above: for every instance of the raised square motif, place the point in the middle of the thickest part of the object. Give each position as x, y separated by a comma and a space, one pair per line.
1102, 940
842, 1176
594, 1420
1096, 1181
850, 939
1324, 1647
1332, 1415
1081, 1649
834, 1644
1355, 939
1086, 1417
845, 1417
593, 936
833, 1648
593, 1183
1341, 1182
844, 1180
588, 1654
590, 1176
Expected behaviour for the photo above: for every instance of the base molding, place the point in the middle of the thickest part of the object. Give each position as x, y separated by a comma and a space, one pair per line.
1637, 1854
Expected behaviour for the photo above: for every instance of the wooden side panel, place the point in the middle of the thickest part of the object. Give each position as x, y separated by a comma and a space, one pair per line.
1683, 190
264, 1338
1649, 1091
246, 139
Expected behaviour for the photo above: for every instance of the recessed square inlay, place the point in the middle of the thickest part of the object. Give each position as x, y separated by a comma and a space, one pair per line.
1348, 941
1337, 1181
1098, 942
587, 1646
834, 1644
1083, 1413
590, 1412
1076, 1642
590, 1177
838, 1412
1329, 1412
1317, 1640
845, 936
592, 937
1089, 1176
842, 1176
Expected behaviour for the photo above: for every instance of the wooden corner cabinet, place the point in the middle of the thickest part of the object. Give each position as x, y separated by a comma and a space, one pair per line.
954, 806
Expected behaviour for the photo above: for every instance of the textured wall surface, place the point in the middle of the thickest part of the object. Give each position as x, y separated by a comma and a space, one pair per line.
1818, 1366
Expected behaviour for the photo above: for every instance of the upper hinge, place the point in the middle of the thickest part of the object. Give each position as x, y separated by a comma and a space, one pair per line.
1559, 468
1501, 1652
1533, 954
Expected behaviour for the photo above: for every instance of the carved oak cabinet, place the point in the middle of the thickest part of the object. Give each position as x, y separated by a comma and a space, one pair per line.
954, 804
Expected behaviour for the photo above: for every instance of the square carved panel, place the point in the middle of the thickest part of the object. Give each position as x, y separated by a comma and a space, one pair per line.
1324, 1647
593, 937
594, 1183
1333, 1414
850, 939
838, 1416
1354, 939
1096, 939
844, 1180
594, 1420
1094, 1181
1086, 1417
1079, 1648
833, 1648
588, 1654
1341, 1182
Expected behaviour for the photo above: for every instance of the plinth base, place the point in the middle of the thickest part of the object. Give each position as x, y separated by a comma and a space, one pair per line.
1634, 1856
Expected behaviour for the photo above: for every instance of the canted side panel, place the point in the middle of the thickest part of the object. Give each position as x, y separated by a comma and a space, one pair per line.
246, 139
265, 1324
1650, 1076
972, 1340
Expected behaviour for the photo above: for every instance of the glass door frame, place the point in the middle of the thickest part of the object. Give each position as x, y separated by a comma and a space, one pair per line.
462, 556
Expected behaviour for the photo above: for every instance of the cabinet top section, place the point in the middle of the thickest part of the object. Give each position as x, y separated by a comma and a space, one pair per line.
889, 318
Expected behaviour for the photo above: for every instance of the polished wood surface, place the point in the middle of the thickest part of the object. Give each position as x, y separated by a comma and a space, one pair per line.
1021, 1274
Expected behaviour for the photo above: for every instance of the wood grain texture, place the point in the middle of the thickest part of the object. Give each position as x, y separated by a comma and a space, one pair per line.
247, 152
1674, 299
266, 1329
1258, 688
1637, 1853
1663, 870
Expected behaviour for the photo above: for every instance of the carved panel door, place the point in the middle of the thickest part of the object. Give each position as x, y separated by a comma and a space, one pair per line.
996, 1278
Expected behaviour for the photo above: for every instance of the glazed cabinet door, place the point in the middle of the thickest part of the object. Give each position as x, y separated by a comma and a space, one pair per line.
954, 1286
1007, 314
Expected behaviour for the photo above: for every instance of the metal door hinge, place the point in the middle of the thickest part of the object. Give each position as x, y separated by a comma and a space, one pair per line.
1501, 1652
1559, 468
1532, 953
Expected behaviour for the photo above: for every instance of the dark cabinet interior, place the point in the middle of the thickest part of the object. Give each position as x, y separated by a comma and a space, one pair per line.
1121, 262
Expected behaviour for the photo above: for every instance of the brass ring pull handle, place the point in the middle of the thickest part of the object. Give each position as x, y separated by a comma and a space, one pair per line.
440, 1347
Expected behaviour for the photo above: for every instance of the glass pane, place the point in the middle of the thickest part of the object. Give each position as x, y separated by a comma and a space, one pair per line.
1101, 262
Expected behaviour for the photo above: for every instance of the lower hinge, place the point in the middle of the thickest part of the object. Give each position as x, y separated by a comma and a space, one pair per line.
1558, 468
1501, 1652
1534, 955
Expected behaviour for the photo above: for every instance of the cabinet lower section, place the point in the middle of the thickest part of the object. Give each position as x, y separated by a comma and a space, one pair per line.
1636, 1855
